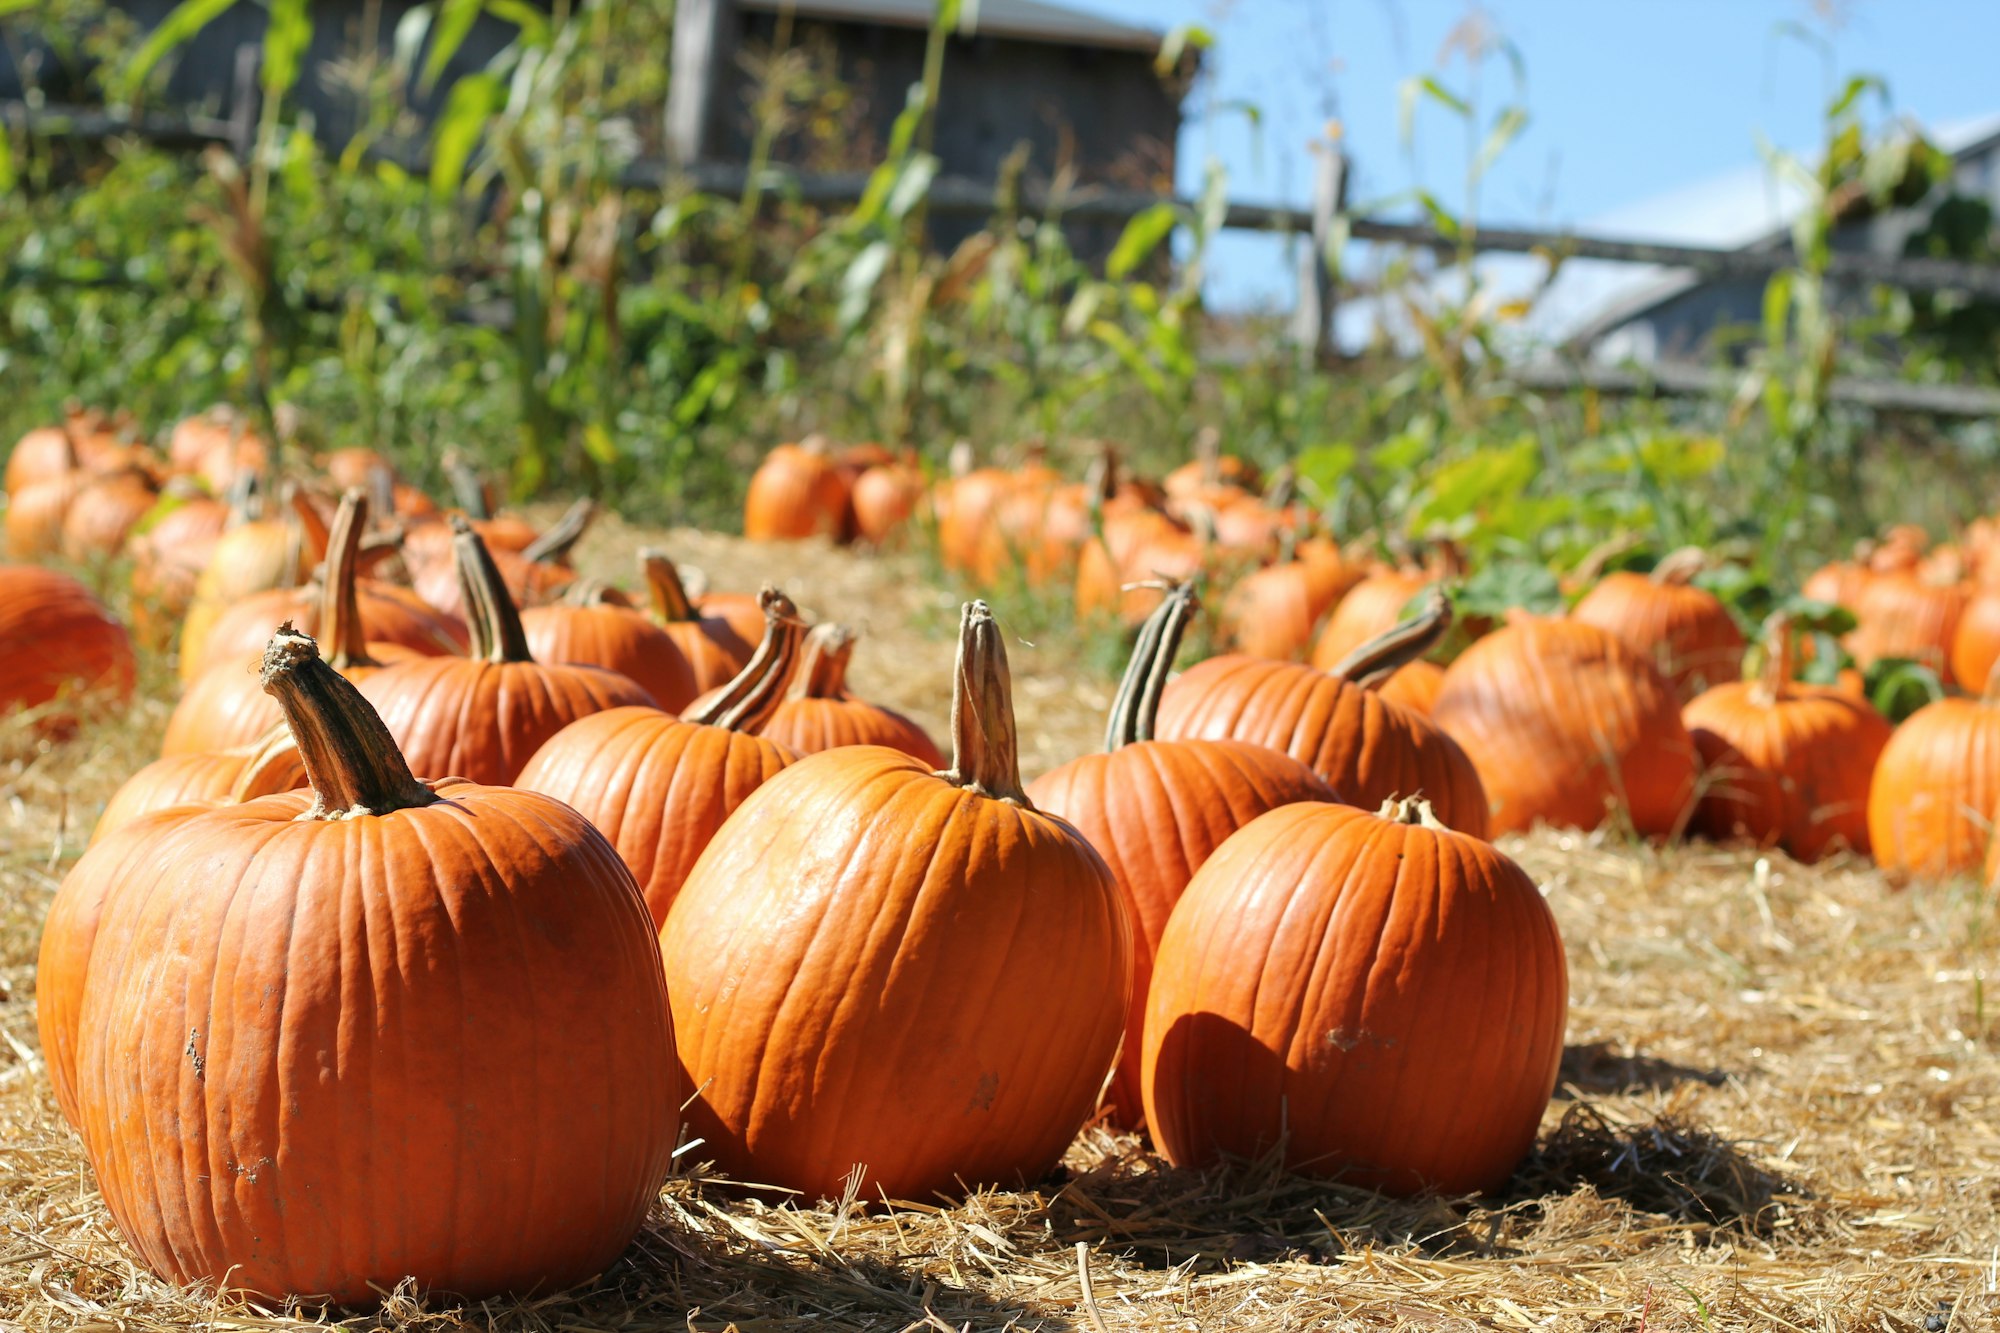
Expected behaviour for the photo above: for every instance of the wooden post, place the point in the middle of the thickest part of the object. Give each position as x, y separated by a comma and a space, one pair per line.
1312, 318
244, 97
701, 33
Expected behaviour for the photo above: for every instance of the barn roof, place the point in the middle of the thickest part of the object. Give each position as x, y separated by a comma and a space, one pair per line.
1031, 20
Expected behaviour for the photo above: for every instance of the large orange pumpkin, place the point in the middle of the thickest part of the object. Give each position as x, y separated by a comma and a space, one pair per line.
56, 638
1975, 643
1155, 810
1569, 726
586, 628
820, 954
271, 765
1785, 763
1368, 749
483, 715
819, 712
1381, 997
1936, 789
331, 1039
1683, 630
659, 786
714, 650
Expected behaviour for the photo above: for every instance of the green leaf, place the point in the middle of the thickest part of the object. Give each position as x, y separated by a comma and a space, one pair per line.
1142, 235
187, 19
533, 23
16, 6
1415, 89
1402, 453
1505, 130
1323, 467
448, 32
1499, 586
1479, 481
857, 284
912, 184
1898, 687
8, 176
467, 110
1179, 40
1856, 86
286, 38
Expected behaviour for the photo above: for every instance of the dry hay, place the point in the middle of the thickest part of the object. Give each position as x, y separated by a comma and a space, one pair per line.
1779, 1109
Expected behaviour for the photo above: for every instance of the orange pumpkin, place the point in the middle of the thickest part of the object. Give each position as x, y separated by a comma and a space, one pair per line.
271, 765
1569, 726
533, 576
395, 928
1685, 631
1382, 998
1936, 789
796, 492
278, 550
169, 549
57, 640
914, 889
1908, 614
886, 497
1975, 643
659, 786
1415, 686
1273, 611
483, 715
819, 712
1156, 810
1785, 763
714, 649
103, 513
1370, 607
1368, 749
586, 629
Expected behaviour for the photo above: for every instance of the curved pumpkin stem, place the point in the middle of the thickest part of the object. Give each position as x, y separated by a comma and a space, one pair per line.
1780, 654
822, 668
1137, 705
273, 766
671, 603
466, 487
1676, 568
1382, 656
556, 542
344, 636
1591, 568
748, 700
313, 534
985, 750
350, 758
594, 592
491, 616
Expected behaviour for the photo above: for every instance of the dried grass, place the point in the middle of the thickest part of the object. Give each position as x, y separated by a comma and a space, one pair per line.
1780, 1108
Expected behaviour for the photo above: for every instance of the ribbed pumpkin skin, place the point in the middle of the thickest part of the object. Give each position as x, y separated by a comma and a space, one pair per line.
618, 639
819, 960
54, 636
1684, 631
714, 650
462, 717
222, 709
102, 515
1975, 643
185, 779
392, 614
1370, 607
1936, 789
319, 1054
1389, 998
657, 787
811, 725
1155, 811
1565, 724
1902, 615
1792, 770
794, 493
1415, 686
1368, 749
1273, 611
33, 519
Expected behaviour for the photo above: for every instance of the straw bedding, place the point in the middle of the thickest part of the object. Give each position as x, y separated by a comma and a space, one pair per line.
1779, 1108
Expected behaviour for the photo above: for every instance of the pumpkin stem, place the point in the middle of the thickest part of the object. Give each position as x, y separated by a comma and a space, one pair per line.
985, 751
491, 615
822, 668
272, 766
1283, 488
1137, 705
1413, 810
350, 758
466, 487
671, 603
313, 535
1676, 568
340, 626
1208, 453
594, 592
1101, 478
382, 488
1779, 656
1591, 568
1381, 657
553, 546
748, 701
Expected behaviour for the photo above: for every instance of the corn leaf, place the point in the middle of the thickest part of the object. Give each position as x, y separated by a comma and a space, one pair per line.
177, 28
448, 32
1141, 237
471, 105
286, 38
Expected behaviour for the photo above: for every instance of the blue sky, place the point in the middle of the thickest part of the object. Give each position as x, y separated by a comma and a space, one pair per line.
1627, 98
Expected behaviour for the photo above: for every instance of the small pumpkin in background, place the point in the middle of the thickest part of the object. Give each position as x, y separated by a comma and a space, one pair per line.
1936, 790
57, 640
1569, 726
535, 575
714, 648
481, 716
103, 513
1784, 763
207, 778
1273, 612
819, 712
659, 786
1379, 995
1374, 605
1975, 643
1337, 723
586, 627
1156, 810
1905, 611
796, 492
169, 549
915, 889
1686, 631
277, 550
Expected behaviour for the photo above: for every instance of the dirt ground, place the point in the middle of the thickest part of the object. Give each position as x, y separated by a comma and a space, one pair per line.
1780, 1107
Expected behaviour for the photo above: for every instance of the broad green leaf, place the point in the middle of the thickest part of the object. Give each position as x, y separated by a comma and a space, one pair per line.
187, 19
1480, 480
286, 37
1813, 617
448, 32
1142, 235
1499, 586
471, 104
1898, 687
1402, 453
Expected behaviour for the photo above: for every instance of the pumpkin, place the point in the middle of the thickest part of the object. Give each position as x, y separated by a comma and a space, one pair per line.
1156, 810
35, 513
1936, 790
1685, 631
714, 649
270, 765
425, 1024
1908, 614
533, 576
885, 499
1211, 470
482, 716
585, 628
57, 640
1379, 997
967, 506
169, 549
1370, 607
1569, 726
819, 955
354, 466
796, 492
1415, 685
1368, 749
659, 786
43, 454
1141, 552
1783, 763
218, 446
820, 712
275, 551
103, 513
1273, 611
